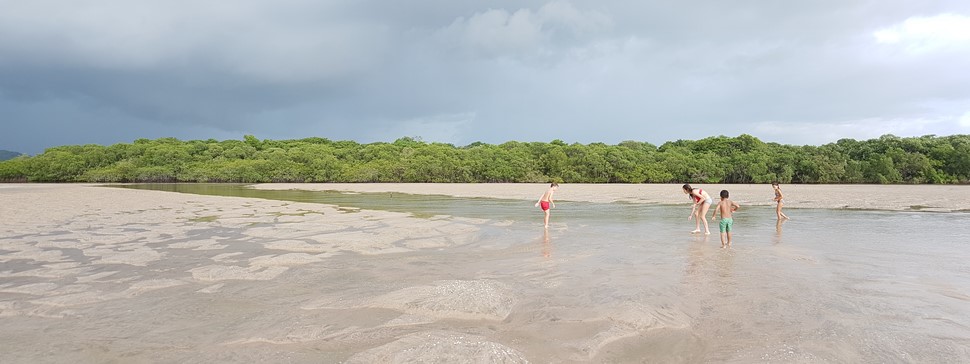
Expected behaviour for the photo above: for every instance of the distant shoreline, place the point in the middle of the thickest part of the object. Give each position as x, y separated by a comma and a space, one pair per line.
925, 198
912, 198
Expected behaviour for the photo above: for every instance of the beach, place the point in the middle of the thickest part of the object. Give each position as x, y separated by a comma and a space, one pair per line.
107, 274
72, 252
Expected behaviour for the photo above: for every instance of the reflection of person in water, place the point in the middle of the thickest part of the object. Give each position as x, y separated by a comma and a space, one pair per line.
724, 264
546, 244
778, 225
695, 257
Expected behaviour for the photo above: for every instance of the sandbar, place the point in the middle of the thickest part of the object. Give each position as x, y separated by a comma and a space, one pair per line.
935, 198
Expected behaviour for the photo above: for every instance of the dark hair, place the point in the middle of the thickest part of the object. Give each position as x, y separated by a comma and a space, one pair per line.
554, 184
774, 183
724, 194
687, 187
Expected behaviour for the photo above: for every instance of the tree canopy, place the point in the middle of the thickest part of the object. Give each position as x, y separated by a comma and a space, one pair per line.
742, 159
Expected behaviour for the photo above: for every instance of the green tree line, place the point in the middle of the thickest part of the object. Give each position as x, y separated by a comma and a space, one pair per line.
742, 159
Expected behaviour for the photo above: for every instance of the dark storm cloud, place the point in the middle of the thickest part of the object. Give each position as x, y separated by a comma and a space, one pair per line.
811, 72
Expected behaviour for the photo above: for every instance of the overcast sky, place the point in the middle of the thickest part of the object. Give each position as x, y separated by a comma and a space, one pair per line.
795, 72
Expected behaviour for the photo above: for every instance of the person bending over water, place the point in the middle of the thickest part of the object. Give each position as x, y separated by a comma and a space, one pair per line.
702, 202
545, 202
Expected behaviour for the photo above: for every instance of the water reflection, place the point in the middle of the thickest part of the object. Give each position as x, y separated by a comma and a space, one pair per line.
778, 230
724, 264
696, 257
546, 244
822, 297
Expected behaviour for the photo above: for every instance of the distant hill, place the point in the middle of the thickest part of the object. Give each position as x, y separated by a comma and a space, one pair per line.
6, 154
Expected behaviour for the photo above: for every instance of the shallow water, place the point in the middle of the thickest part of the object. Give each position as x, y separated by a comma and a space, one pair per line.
605, 283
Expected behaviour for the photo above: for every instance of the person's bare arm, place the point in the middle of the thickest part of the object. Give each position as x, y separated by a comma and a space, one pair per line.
693, 207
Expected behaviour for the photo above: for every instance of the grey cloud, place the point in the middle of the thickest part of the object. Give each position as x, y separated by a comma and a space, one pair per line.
522, 32
461, 72
262, 41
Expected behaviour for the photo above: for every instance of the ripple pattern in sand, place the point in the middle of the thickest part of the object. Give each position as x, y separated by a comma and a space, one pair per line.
458, 299
440, 347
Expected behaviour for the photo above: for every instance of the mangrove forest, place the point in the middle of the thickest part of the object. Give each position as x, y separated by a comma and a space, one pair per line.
743, 159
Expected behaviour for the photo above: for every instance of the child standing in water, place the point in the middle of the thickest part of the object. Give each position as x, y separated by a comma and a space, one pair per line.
702, 202
778, 198
726, 207
546, 203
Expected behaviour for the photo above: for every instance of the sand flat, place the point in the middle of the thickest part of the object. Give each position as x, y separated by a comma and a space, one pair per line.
937, 198
123, 241
102, 274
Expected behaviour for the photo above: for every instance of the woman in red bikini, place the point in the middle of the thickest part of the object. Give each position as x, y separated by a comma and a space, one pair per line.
702, 202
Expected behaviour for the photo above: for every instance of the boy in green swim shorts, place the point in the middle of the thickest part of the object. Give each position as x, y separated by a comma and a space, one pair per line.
726, 207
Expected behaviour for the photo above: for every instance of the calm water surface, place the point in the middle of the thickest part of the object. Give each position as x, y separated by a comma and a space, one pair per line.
628, 283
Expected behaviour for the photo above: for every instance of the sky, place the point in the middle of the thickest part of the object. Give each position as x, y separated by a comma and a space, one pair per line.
806, 72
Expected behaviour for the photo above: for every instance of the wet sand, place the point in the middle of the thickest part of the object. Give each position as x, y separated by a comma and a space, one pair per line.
97, 274
124, 275
937, 198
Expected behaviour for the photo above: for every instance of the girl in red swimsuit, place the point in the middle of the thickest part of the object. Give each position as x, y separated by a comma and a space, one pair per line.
702, 202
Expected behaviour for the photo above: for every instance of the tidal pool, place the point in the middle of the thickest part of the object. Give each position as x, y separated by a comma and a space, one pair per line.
614, 282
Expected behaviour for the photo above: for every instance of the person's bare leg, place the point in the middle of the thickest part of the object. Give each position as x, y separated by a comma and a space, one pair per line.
728, 238
781, 215
702, 215
723, 238
547, 218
